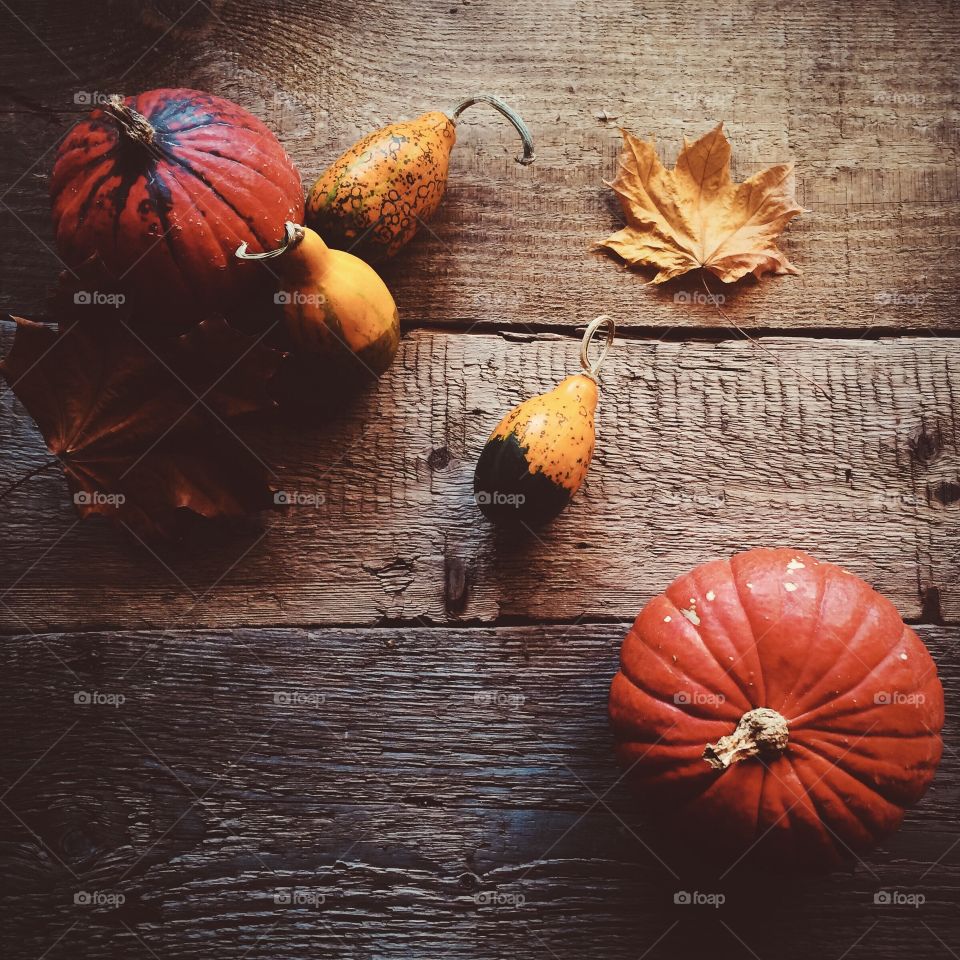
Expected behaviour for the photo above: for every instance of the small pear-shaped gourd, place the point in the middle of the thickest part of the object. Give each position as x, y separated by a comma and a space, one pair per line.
538, 455
335, 307
372, 199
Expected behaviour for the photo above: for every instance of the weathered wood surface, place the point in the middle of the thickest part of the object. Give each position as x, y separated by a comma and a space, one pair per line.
860, 96
424, 792
704, 449
442, 799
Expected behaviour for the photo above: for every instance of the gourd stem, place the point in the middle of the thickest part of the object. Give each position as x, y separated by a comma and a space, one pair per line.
501, 107
292, 235
19, 483
592, 369
133, 125
760, 733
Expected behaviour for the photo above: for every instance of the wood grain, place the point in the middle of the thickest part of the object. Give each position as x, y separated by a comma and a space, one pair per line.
422, 792
435, 778
863, 100
704, 449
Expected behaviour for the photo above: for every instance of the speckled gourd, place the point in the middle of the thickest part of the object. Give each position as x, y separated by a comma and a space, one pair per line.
374, 197
538, 455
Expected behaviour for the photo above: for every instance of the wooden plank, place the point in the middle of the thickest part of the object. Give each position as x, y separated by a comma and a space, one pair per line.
420, 792
704, 449
863, 99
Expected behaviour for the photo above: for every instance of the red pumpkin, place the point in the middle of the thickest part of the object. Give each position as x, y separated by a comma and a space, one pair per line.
158, 190
779, 706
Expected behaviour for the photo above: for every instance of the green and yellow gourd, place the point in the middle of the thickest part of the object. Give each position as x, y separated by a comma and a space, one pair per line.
372, 199
538, 455
336, 308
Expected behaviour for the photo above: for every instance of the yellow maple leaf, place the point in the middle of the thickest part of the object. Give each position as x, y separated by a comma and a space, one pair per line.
695, 216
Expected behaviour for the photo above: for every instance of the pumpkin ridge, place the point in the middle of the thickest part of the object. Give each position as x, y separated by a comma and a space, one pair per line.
98, 181
185, 148
875, 830
814, 745
748, 696
864, 626
747, 702
154, 186
773, 788
169, 131
248, 193
667, 701
163, 106
88, 157
121, 199
201, 178
814, 632
918, 735
734, 576
822, 710
673, 667
819, 813
208, 212
661, 741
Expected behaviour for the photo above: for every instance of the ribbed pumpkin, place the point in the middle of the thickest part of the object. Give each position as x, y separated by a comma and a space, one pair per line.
155, 192
775, 707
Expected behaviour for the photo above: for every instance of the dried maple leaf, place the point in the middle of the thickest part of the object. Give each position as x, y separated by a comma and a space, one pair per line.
695, 216
143, 436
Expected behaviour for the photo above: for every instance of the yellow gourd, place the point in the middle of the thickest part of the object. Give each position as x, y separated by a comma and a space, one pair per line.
538, 455
373, 198
335, 307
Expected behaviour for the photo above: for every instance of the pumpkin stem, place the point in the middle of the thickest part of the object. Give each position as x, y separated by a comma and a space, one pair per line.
509, 113
592, 369
760, 733
292, 235
133, 125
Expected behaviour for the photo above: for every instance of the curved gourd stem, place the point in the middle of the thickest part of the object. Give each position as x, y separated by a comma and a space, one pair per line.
292, 235
504, 108
592, 369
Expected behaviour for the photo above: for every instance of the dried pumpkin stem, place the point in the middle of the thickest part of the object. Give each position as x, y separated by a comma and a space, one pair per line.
133, 125
292, 235
504, 108
760, 733
592, 369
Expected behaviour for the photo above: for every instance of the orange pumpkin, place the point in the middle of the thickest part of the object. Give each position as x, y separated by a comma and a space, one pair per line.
772, 705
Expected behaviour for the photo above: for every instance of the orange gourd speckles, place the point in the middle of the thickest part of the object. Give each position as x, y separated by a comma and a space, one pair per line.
556, 431
537, 457
372, 200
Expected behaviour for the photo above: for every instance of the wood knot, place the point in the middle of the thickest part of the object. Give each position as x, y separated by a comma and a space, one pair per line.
927, 443
931, 607
439, 458
946, 492
454, 584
